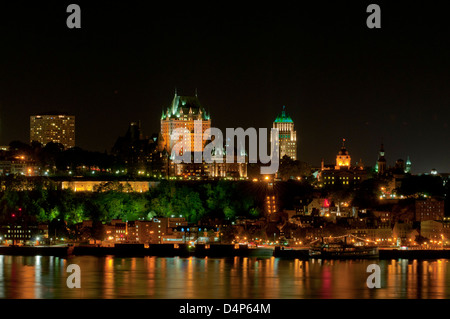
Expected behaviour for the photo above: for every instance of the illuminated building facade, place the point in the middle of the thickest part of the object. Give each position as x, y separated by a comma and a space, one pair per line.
343, 173
182, 113
228, 170
220, 168
343, 159
287, 135
22, 232
185, 112
55, 127
96, 185
429, 209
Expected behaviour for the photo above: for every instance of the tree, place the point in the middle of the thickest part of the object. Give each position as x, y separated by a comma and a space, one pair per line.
422, 184
366, 195
291, 169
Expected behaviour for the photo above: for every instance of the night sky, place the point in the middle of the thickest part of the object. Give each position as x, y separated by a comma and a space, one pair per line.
337, 78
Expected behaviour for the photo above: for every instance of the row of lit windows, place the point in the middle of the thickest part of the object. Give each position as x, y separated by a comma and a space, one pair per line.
332, 177
17, 236
344, 183
18, 231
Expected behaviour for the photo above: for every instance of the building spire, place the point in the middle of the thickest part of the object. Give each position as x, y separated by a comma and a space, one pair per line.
382, 150
196, 92
175, 91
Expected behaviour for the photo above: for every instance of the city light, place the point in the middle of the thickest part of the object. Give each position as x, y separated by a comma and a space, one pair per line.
104, 193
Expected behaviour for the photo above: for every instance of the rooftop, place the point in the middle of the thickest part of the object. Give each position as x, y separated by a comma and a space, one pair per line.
185, 105
283, 117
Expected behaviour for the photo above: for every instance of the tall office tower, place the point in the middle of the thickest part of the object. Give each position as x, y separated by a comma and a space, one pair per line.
287, 136
53, 127
182, 113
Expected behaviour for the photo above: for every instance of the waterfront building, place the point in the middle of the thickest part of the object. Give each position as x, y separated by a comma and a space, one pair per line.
382, 236
429, 209
404, 233
53, 127
21, 233
432, 230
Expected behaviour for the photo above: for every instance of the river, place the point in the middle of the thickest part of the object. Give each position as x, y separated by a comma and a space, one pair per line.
220, 278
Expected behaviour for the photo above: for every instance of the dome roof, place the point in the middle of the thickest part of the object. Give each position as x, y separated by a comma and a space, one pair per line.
343, 151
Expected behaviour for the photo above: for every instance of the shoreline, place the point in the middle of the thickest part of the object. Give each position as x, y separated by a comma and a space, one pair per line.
201, 251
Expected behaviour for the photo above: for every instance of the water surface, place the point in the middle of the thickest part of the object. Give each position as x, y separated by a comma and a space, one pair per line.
220, 278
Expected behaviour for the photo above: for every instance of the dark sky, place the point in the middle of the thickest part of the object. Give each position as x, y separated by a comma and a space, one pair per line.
337, 78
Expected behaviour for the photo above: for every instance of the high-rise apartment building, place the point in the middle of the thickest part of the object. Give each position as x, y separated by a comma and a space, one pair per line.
53, 127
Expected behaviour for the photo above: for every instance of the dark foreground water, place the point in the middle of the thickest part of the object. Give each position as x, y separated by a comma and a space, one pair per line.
221, 278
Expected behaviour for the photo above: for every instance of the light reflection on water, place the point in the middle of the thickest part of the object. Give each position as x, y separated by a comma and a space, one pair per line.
220, 278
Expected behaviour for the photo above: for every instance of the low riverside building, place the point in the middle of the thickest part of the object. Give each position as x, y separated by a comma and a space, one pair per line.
137, 232
23, 234
381, 235
432, 230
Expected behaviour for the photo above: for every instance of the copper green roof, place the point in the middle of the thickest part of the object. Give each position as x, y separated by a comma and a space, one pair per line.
283, 117
185, 104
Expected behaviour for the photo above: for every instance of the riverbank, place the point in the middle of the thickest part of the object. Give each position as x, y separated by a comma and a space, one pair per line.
139, 250
219, 250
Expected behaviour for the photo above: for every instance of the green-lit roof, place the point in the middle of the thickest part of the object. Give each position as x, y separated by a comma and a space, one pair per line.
185, 104
283, 117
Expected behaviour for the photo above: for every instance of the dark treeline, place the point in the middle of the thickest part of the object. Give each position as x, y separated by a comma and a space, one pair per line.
56, 159
41, 199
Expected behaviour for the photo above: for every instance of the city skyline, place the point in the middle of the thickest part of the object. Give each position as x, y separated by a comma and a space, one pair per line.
372, 162
330, 154
337, 78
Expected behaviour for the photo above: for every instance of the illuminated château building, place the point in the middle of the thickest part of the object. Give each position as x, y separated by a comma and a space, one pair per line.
53, 127
186, 112
287, 135
343, 173
182, 113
